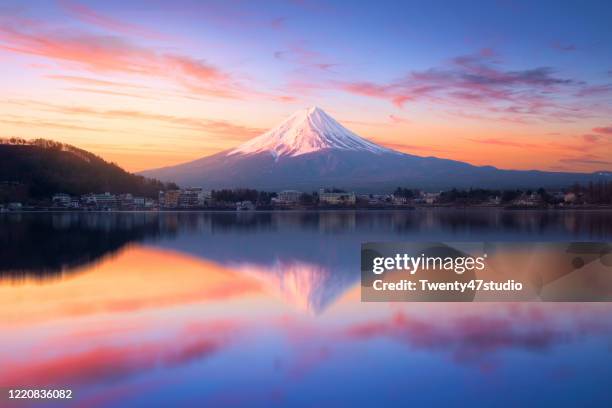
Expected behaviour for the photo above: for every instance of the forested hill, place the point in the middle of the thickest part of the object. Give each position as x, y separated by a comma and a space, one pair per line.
37, 169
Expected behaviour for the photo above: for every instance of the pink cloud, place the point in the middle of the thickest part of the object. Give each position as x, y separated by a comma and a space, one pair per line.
478, 83
398, 119
110, 54
114, 362
223, 128
476, 337
606, 130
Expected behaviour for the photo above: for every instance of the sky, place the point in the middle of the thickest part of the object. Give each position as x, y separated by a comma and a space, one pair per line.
146, 84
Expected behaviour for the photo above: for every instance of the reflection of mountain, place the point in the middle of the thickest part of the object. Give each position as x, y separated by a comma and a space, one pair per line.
310, 258
307, 286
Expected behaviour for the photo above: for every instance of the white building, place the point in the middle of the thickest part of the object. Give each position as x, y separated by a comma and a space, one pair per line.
103, 201
430, 198
194, 197
336, 198
14, 206
245, 206
289, 196
61, 200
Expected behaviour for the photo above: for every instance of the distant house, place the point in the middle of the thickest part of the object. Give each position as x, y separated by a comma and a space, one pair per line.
289, 197
570, 197
399, 200
105, 201
61, 200
193, 197
330, 198
126, 201
430, 198
245, 206
169, 198
528, 200
139, 202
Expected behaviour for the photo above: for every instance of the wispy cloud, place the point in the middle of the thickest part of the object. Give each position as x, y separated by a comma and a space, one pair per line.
479, 82
93, 81
110, 54
88, 15
109, 362
586, 159
606, 130
398, 119
562, 46
504, 142
305, 58
221, 128
43, 124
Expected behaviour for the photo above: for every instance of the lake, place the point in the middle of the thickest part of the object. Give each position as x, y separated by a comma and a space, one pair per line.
263, 309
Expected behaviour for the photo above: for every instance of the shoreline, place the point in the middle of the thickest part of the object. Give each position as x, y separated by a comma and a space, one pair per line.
320, 210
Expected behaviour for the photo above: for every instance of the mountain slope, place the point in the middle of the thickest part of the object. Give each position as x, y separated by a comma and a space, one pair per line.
43, 168
307, 131
310, 150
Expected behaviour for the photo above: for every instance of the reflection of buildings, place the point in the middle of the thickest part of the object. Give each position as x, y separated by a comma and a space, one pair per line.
310, 257
340, 221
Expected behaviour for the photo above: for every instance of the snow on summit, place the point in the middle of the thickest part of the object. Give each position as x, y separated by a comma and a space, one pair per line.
306, 131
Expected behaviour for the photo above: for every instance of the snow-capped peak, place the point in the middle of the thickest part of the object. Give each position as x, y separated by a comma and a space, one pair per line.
306, 131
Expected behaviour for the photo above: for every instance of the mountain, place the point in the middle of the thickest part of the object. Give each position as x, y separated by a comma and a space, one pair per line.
35, 170
310, 150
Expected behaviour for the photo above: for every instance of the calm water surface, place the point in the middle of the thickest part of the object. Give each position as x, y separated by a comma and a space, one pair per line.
263, 309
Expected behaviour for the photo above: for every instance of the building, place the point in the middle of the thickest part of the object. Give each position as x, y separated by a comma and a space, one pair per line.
169, 199
528, 200
399, 200
126, 201
139, 202
289, 197
105, 201
430, 198
245, 206
88, 200
61, 200
343, 198
192, 197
